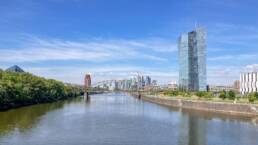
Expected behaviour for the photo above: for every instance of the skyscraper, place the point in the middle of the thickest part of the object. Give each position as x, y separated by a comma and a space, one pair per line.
192, 60
148, 81
87, 81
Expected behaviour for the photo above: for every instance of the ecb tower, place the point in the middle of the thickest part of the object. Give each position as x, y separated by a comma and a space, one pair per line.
192, 60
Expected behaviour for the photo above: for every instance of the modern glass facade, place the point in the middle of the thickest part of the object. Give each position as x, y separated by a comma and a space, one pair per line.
192, 60
183, 62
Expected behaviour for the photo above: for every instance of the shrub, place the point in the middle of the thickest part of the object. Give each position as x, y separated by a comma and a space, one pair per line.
201, 94
251, 97
187, 94
170, 93
223, 95
231, 95
256, 95
208, 95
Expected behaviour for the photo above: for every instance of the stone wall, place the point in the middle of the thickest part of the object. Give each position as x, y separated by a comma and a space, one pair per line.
237, 109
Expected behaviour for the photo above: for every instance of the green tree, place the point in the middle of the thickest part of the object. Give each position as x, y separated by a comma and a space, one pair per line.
223, 94
208, 95
231, 95
201, 94
251, 97
18, 89
256, 95
170, 93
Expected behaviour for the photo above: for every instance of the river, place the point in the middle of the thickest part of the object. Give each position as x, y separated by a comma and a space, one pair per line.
119, 119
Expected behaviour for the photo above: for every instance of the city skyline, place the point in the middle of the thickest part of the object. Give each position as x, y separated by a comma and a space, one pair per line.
65, 39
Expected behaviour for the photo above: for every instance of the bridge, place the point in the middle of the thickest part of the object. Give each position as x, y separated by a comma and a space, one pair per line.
138, 83
104, 87
95, 88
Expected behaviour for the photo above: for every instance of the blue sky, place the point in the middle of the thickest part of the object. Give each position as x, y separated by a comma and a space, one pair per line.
64, 39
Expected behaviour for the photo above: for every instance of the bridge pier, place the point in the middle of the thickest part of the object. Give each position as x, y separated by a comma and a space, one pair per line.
139, 95
87, 96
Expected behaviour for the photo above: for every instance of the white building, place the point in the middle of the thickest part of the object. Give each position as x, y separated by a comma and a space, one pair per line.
249, 82
220, 88
172, 85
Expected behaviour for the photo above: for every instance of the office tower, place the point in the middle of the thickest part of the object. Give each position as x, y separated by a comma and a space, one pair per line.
87, 81
142, 82
192, 60
139, 82
148, 81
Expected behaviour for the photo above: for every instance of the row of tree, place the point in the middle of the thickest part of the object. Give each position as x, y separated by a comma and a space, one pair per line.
230, 95
201, 94
19, 89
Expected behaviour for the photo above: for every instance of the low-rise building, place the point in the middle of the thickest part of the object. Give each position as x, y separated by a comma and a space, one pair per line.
172, 85
237, 86
220, 88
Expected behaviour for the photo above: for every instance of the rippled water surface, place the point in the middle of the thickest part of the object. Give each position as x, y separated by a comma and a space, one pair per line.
118, 119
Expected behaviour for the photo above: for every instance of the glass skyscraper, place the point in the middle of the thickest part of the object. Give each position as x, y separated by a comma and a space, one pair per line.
192, 60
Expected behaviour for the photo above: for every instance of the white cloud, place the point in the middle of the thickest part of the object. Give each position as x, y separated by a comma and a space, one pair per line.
42, 54
233, 34
156, 44
240, 57
251, 68
223, 74
36, 49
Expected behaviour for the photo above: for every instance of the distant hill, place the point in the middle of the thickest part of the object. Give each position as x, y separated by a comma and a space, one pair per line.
15, 68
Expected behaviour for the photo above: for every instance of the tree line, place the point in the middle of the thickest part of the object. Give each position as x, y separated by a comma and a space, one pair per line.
20, 89
229, 95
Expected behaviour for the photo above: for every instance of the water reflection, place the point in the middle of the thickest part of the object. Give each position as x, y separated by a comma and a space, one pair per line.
192, 131
216, 115
25, 118
197, 131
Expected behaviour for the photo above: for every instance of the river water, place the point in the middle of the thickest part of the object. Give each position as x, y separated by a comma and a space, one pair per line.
119, 119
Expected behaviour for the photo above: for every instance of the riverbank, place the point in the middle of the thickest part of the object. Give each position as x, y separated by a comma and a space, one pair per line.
218, 107
15, 106
11, 106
